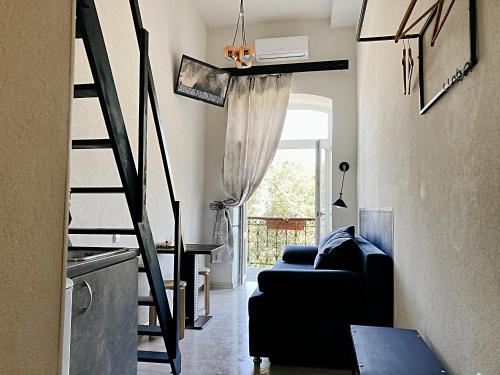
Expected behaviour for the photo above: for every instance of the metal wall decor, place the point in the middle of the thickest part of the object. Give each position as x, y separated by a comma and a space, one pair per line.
458, 73
434, 13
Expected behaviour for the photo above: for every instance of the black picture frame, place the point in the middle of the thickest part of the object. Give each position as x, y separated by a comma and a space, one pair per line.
201, 81
469, 65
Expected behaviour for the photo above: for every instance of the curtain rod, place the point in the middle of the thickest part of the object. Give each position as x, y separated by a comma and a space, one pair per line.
315, 66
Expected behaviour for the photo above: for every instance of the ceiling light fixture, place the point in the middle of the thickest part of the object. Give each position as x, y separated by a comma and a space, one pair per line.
245, 55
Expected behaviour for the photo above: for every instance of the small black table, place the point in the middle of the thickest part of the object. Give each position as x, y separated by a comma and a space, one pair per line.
393, 351
189, 272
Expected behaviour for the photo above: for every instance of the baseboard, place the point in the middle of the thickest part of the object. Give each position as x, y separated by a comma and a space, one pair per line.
221, 285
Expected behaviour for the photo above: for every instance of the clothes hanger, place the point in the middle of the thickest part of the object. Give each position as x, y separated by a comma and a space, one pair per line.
434, 37
404, 66
411, 64
408, 64
439, 11
438, 25
402, 31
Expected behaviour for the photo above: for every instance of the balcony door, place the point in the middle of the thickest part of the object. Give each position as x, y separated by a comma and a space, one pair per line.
292, 204
323, 189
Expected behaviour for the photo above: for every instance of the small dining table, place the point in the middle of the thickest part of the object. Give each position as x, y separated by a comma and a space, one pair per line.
189, 273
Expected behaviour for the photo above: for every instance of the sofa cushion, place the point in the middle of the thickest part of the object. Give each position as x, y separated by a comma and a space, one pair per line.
282, 265
300, 254
343, 302
349, 230
340, 252
305, 281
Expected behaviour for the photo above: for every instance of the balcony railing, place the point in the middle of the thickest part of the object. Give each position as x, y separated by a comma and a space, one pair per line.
268, 235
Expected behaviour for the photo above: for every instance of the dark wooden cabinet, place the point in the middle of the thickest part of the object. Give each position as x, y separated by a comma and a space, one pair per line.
104, 321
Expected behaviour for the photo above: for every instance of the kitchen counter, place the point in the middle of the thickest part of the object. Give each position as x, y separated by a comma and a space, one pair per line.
88, 262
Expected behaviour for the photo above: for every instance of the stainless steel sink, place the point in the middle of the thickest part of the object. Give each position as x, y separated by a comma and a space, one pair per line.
85, 254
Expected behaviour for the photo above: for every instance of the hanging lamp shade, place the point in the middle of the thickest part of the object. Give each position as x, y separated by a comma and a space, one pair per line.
339, 202
243, 65
247, 53
230, 53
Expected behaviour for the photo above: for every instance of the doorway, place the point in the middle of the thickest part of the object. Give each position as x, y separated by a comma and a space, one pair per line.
292, 204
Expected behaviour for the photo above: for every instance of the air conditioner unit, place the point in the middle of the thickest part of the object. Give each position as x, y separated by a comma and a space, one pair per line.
280, 49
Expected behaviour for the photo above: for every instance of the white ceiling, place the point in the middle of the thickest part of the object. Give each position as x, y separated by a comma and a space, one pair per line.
221, 13
345, 12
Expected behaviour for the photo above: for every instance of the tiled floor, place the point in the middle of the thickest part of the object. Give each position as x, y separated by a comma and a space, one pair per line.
221, 348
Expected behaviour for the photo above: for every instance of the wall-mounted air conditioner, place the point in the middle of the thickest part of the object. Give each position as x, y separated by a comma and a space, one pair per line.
280, 49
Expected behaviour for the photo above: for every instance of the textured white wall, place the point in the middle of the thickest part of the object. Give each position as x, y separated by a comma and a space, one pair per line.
440, 172
174, 29
35, 91
324, 44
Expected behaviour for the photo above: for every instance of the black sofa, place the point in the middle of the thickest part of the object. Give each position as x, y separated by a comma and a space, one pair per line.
299, 314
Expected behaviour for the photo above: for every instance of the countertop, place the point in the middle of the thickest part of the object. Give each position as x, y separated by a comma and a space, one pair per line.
74, 269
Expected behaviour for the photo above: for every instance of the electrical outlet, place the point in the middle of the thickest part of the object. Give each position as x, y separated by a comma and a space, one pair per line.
116, 238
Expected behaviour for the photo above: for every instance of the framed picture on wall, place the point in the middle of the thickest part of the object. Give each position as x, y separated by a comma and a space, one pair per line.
202, 81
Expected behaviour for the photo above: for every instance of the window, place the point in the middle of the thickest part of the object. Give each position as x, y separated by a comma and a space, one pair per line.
305, 124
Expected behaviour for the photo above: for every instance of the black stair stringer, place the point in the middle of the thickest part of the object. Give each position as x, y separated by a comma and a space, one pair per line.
91, 33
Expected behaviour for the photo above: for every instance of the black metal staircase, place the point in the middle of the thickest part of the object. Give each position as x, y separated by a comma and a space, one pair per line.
133, 180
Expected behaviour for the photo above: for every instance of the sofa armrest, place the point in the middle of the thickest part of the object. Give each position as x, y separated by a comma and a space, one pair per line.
328, 283
378, 271
299, 254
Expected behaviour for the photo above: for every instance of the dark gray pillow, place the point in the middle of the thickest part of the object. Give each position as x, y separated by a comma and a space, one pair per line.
349, 230
340, 252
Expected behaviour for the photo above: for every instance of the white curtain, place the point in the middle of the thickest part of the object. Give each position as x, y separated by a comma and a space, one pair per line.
257, 108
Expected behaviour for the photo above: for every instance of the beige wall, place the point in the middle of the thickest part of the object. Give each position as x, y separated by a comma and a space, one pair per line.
340, 86
174, 29
35, 92
440, 172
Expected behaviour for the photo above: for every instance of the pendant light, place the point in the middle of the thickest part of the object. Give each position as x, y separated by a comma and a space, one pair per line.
244, 56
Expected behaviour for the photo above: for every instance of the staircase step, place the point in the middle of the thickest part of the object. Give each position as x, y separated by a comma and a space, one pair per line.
145, 301
124, 231
85, 90
87, 144
153, 357
97, 190
145, 330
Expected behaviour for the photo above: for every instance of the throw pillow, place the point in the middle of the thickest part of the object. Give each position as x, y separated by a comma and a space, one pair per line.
339, 253
349, 230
